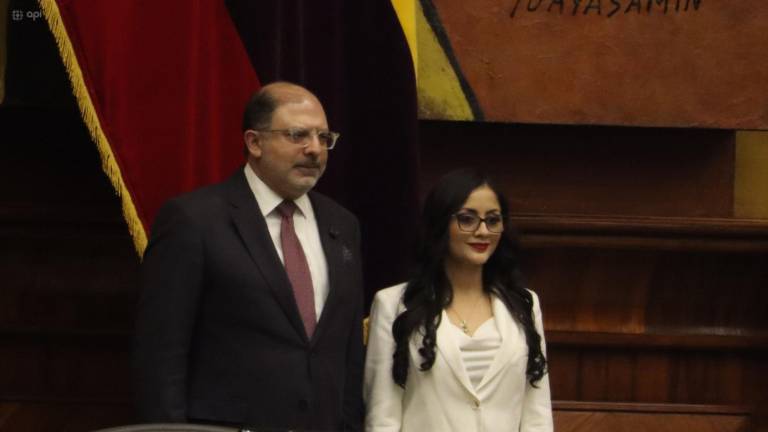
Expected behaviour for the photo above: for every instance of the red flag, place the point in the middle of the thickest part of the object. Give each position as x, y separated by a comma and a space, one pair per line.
161, 87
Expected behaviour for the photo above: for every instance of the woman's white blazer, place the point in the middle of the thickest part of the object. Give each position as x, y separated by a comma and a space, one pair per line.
443, 399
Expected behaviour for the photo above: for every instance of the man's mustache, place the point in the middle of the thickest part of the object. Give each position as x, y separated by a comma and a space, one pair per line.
309, 164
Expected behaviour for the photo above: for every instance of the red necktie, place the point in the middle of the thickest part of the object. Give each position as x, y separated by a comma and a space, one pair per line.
297, 268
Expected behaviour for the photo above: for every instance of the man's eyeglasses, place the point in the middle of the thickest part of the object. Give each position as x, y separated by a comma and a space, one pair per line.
470, 222
302, 136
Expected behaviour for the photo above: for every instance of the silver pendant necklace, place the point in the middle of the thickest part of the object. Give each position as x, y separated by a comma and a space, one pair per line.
462, 322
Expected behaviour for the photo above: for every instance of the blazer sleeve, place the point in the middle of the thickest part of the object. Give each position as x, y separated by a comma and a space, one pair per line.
383, 397
171, 277
537, 402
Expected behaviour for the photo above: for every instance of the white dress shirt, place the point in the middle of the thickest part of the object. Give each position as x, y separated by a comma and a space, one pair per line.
304, 224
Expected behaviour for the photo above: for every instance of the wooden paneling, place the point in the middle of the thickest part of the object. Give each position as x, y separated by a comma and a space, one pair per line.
69, 277
612, 417
591, 170
48, 367
646, 291
68, 270
652, 375
648, 232
61, 417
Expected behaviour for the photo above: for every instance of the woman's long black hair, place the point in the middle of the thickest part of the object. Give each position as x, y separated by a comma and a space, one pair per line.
429, 291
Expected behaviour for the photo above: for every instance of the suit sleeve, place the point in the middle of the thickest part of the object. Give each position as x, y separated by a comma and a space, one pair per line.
537, 403
171, 285
353, 403
383, 397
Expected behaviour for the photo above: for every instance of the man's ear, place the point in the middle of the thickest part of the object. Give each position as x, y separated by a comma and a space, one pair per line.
252, 143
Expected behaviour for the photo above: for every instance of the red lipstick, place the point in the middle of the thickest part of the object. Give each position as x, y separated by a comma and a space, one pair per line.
480, 247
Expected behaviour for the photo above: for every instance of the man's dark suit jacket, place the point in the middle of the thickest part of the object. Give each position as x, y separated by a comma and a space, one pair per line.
219, 337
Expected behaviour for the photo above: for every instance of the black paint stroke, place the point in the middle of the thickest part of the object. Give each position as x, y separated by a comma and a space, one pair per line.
576, 4
554, 2
617, 7
590, 6
430, 13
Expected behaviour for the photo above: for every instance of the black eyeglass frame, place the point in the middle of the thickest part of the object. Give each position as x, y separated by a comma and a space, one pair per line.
480, 220
294, 135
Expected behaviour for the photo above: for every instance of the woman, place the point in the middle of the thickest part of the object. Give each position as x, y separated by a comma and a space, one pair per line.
460, 347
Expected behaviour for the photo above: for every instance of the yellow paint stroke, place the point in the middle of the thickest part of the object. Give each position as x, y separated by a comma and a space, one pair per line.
751, 175
406, 14
439, 92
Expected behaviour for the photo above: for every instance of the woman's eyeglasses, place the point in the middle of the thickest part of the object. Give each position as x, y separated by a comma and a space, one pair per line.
470, 222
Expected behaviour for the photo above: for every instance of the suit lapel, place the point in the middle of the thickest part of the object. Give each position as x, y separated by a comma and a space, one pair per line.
252, 227
333, 248
449, 350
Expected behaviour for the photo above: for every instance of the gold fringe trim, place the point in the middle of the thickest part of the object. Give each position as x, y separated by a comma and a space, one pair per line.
91, 119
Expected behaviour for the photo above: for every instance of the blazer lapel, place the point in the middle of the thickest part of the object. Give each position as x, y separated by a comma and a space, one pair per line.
252, 227
510, 339
449, 350
335, 253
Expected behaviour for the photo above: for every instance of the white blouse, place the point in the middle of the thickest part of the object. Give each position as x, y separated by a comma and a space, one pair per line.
478, 350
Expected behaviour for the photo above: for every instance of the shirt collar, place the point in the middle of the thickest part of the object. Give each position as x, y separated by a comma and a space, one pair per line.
268, 199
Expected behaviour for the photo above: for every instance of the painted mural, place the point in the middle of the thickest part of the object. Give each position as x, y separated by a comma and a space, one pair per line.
676, 63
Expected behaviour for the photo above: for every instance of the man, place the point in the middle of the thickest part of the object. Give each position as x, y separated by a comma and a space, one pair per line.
251, 310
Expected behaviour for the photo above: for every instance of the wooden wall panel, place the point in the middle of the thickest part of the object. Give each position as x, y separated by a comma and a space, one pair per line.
651, 375
68, 273
637, 291
591, 420
591, 170
654, 370
83, 283
47, 367
61, 417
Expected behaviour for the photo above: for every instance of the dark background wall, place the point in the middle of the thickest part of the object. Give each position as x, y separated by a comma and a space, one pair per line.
68, 270
68, 278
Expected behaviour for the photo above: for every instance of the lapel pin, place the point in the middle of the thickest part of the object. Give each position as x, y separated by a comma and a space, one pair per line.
346, 254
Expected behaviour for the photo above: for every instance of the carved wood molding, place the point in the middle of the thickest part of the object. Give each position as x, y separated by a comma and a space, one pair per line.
626, 232
59, 221
679, 341
59, 214
650, 408
7, 399
42, 335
